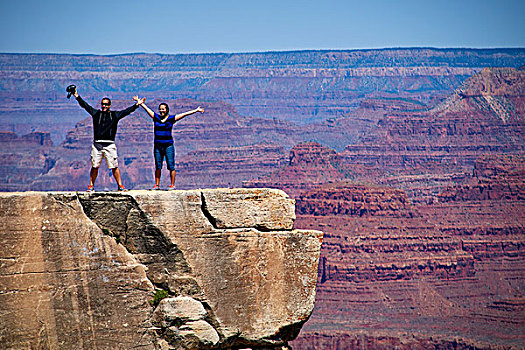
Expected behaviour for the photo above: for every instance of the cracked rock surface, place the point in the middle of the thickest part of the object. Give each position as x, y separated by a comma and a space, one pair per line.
79, 271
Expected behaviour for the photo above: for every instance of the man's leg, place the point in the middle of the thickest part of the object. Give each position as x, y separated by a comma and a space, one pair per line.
96, 160
110, 153
93, 176
116, 175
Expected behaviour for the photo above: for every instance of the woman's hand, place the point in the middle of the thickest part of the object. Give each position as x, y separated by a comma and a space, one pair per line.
139, 100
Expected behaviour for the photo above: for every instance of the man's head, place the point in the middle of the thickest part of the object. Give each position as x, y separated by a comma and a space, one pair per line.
164, 109
105, 104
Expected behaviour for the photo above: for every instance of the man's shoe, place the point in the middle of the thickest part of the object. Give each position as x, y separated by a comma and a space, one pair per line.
171, 187
90, 189
156, 187
122, 189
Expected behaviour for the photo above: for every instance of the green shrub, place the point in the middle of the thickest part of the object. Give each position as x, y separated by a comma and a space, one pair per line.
158, 296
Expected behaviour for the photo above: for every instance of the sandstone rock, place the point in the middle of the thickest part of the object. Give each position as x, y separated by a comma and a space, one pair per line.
265, 209
79, 270
180, 309
183, 323
193, 335
254, 264
64, 284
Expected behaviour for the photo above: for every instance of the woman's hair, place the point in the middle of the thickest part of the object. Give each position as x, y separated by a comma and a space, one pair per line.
167, 107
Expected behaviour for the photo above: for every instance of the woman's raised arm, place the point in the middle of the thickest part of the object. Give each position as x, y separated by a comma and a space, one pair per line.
140, 102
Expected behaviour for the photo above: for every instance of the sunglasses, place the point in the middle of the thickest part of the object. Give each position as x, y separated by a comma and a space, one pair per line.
105, 104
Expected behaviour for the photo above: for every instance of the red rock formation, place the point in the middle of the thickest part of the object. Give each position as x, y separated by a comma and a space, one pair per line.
6, 136
31, 139
450, 137
310, 164
494, 178
449, 275
383, 341
24, 158
228, 166
497, 91
425, 249
348, 199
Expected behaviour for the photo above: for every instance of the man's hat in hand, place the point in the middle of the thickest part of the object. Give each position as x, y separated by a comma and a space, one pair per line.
70, 90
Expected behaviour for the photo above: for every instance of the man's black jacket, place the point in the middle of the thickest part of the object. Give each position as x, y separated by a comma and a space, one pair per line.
105, 123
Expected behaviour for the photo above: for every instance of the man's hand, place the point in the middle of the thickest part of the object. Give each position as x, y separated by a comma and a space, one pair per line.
199, 109
139, 100
75, 93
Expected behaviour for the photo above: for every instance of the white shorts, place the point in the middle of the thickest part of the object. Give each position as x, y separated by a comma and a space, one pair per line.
109, 152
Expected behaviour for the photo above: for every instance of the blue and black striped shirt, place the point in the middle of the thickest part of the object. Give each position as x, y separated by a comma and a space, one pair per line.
163, 130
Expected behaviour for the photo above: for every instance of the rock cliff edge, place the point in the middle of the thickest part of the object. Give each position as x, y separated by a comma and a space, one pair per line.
86, 271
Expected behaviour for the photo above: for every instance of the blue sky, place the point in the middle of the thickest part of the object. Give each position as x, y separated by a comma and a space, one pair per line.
173, 26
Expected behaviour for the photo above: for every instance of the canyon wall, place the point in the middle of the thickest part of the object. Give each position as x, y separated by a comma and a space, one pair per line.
302, 87
398, 274
85, 271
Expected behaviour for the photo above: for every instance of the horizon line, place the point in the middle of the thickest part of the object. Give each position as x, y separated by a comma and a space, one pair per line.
393, 48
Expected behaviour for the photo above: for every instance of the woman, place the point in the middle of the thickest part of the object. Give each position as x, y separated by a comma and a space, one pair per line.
163, 145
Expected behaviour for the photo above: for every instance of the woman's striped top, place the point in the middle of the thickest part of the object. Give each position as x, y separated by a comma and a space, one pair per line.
163, 130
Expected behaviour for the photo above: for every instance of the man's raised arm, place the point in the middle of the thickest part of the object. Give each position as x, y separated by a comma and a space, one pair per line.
131, 109
84, 104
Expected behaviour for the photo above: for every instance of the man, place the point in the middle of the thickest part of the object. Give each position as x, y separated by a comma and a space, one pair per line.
163, 146
105, 124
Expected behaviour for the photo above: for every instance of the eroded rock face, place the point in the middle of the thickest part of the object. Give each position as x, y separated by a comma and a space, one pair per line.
80, 270
447, 274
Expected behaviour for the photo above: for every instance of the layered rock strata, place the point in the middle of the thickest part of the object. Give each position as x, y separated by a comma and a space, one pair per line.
417, 147
310, 164
302, 86
79, 271
483, 116
405, 275
24, 158
419, 151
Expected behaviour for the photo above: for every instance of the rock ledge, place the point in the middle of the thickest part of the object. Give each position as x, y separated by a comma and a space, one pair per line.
80, 270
